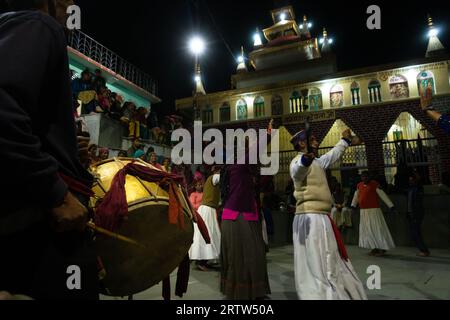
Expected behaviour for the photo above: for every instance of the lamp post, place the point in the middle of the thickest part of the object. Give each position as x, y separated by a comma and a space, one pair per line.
197, 47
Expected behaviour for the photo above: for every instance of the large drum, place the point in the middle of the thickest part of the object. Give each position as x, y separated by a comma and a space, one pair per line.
132, 268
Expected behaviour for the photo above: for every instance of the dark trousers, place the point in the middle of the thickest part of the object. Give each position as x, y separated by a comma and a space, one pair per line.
35, 263
415, 225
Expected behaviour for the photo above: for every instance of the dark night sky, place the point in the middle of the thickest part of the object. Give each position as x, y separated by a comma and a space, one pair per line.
153, 34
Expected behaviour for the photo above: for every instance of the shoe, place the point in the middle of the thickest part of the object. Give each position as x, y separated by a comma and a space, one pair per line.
202, 268
380, 253
424, 254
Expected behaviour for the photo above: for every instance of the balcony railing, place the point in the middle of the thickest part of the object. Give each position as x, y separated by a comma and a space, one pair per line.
109, 59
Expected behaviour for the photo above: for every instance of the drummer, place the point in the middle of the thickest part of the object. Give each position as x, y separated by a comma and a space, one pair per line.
41, 220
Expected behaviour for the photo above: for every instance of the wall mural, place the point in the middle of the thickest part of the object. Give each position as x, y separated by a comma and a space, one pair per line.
337, 97
399, 88
425, 80
242, 112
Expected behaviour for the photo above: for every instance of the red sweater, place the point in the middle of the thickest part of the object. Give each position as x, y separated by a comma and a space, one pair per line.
368, 197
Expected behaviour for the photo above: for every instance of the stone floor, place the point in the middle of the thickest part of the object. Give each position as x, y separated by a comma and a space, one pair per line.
403, 277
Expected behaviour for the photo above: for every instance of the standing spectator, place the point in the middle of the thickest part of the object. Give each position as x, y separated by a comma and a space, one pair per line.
141, 121
98, 81
104, 100
82, 84
416, 214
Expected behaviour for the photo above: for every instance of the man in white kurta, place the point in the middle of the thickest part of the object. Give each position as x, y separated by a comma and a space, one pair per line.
320, 271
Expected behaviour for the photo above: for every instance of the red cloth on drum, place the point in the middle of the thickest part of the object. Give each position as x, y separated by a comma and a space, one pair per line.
114, 207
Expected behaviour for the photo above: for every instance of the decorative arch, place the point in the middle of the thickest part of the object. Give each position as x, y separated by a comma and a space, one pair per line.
242, 110
356, 93
398, 87
259, 107
375, 91
295, 102
408, 145
315, 100
337, 96
225, 112
277, 105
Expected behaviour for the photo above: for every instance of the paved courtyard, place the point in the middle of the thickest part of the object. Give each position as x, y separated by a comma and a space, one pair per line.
403, 277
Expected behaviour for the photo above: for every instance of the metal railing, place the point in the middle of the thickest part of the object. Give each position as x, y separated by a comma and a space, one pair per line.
413, 153
109, 59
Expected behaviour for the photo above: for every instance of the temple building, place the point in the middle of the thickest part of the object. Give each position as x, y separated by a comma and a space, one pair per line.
291, 75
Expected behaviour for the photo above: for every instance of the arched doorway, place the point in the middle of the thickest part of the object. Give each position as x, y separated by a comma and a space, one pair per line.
409, 146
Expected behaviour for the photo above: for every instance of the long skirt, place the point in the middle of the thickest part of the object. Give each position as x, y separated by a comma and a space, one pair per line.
374, 232
320, 272
243, 259
200, 250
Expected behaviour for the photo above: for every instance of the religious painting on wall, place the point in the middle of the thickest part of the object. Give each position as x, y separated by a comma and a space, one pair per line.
277, 105
425, 80
242, 111
337, 97
315, 100
399, 88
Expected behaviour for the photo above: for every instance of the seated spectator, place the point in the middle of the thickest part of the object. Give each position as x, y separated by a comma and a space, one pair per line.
140, 154
166, 165
154, 161
148, 154
137, 145
103, 154
103, 100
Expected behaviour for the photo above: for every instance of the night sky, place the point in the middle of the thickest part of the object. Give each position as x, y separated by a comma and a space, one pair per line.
154, 34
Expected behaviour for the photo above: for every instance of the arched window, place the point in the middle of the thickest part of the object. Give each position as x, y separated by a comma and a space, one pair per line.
277, 105
356, 94
337, 96
225, 112
295, 102
207, 115
259, 107
375, 91
398, 87
425, 80
315, 100
242, 110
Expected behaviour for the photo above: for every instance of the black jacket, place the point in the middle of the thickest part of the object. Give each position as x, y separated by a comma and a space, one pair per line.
37, 125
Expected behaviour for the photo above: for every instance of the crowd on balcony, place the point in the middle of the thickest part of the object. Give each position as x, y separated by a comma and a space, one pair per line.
92, 96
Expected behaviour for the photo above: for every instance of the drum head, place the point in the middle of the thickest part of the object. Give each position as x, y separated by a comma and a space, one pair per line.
131, 269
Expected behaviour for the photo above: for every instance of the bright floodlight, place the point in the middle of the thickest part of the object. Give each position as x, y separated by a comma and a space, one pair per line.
433, 33
197, 78
321, 40
310, 25
197, 46
257, 40
240, 59
283, 16
301, 26
330, 41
